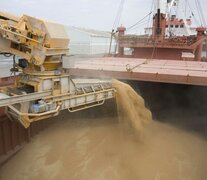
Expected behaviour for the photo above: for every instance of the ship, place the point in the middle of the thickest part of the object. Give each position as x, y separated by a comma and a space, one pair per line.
170, 38
163, 55
170, 52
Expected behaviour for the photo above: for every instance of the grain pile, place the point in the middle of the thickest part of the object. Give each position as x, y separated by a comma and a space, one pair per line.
94, 145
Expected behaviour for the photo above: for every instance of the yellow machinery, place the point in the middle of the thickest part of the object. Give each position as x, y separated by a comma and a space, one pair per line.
43, 88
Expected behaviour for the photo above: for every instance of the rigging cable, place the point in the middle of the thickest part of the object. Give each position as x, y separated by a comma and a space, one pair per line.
138, 22
201, 12
192, 13
116, 23
149, 19
118, 15
200, 16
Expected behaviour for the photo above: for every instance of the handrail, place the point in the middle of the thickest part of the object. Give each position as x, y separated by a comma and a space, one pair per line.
86, 107
35, 115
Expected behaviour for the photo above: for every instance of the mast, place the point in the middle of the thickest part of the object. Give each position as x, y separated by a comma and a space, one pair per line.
158, 18
159, 22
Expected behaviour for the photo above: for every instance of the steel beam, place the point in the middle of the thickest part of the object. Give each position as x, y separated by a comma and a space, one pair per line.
23, 98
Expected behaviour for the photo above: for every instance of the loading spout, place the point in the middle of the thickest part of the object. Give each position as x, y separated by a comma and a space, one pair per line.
44, 88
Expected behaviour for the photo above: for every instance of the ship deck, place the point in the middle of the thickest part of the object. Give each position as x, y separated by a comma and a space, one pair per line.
166, 71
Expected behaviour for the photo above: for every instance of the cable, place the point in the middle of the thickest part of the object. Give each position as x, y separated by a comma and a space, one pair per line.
197, 6
136, 27
116, 21
14, 64
118, 15
137, 23
201, 13
6, 54
192, 13
151, 9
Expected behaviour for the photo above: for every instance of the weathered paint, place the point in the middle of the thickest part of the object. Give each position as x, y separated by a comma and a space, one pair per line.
13, 135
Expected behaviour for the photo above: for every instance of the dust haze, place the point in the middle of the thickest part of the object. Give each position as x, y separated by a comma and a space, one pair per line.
102, 143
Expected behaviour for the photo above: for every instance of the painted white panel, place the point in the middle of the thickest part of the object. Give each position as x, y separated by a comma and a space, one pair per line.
64, 85
47, 85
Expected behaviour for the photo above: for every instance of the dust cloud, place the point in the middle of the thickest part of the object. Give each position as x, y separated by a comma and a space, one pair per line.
95, 145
